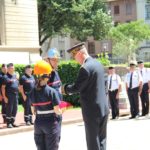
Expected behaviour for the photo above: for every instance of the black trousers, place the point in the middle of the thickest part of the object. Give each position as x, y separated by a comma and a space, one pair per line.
96, 132
3, 110
47, 132
27, 109
11, 107
145, 99
114, 102
134, 101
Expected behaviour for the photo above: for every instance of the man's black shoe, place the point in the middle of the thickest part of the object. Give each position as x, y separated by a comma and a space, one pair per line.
31, 123
14, 125
131, 117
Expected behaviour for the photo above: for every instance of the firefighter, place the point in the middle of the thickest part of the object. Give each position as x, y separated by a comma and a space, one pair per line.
3, 72
10, 94
46, 107
27, 83
52, 58
54, 81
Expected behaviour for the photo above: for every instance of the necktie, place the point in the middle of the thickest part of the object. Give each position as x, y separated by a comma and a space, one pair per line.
141, 72
130, 84
110, 82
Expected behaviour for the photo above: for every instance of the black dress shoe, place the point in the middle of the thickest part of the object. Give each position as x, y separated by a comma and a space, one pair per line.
131, 117
31, 123
14, 125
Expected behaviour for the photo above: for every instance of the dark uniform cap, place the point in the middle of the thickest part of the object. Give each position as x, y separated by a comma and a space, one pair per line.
140, 62
10, 65
111, 67
76, 48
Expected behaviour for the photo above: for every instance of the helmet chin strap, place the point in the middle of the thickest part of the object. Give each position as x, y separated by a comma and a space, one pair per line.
50, 63
40, 83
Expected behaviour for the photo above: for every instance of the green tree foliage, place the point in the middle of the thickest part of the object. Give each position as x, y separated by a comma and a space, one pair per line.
79, 18
127, 37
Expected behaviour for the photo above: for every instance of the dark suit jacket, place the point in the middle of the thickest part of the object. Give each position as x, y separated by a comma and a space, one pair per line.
90, 84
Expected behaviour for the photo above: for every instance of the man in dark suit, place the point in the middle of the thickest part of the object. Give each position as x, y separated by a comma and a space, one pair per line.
91, 87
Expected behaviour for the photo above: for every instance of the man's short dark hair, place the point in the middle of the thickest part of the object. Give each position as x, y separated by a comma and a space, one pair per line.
27, 66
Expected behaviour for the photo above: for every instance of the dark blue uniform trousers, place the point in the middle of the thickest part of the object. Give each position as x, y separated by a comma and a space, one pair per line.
134, 101
145, 99
47, 132
96, 133
114, 102
27, 109
3, 111
11, 107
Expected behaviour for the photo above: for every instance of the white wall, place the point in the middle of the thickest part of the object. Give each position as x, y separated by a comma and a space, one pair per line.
19, 57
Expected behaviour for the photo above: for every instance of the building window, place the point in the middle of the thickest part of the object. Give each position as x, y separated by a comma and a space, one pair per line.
0, 25
91, 47
128, 8
116, 10
2, 36
147, 11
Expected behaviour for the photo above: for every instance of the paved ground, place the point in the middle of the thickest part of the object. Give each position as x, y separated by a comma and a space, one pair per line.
69, 116
123, 134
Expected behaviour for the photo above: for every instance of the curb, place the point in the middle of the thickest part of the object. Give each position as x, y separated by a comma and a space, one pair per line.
25, 128
31, 128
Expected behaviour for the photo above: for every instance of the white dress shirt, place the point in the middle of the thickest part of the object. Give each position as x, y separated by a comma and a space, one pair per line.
145, 73
136, 79
116, 81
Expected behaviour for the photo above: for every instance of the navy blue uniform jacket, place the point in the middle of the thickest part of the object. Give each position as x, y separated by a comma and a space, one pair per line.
90, 84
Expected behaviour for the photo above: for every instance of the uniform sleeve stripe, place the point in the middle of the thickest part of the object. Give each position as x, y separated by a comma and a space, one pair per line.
41, 103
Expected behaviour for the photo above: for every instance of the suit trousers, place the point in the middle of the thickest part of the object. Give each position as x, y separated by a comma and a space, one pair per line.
96, 133
134, 101
145, 99
114, 102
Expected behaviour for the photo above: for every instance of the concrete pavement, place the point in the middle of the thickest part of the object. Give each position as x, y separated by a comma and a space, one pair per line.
69, 116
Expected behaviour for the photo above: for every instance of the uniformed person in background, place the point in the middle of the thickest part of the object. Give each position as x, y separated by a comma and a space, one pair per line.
114, 88
133, 81
10, 91
3, 72
90, 84
46, 107
145, 73
27, 83
52, 58
54, 81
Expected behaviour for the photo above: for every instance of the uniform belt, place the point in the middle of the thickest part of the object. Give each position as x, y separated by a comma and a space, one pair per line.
44, 112
113, 90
